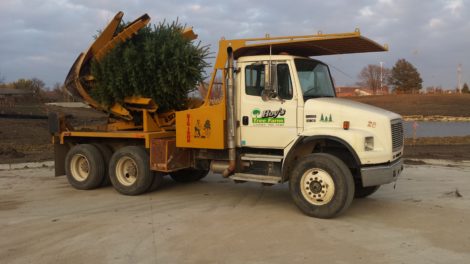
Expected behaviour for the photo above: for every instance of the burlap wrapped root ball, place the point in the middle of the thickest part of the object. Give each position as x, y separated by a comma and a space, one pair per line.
158, 63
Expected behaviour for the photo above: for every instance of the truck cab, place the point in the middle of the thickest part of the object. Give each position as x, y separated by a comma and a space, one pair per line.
302, 104
287, 108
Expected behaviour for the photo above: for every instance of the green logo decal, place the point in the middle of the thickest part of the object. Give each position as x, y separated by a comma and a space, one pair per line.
326, 118
268, 117
256, 112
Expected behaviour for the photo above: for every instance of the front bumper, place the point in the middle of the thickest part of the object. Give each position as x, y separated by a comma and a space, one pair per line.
381, 174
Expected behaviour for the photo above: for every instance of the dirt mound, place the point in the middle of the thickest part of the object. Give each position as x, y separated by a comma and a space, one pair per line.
10, 152
455, 105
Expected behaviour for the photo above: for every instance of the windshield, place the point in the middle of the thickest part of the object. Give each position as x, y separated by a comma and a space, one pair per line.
314, 79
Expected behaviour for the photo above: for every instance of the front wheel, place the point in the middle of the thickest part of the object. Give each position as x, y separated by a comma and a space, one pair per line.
363, 192
321, 185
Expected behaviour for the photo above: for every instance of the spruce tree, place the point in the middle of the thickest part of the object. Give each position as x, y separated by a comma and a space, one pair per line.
405, 78
158, 62
465, 88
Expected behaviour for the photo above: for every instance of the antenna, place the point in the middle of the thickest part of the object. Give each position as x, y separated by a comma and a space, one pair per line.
459, 77
381, 77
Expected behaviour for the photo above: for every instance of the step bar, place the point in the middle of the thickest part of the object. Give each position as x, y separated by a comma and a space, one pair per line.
261, 157
256, 178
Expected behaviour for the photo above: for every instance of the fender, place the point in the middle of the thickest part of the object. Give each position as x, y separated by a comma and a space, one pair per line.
286, 166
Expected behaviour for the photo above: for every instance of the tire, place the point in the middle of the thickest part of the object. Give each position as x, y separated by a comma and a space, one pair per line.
129, 170
85, 167
106, 153
157, 181
321, 185
363, 192
188, 175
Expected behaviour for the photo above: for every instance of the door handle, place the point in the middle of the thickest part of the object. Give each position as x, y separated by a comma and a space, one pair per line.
245, 120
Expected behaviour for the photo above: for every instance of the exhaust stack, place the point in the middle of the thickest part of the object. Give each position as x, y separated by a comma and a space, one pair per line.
230, 117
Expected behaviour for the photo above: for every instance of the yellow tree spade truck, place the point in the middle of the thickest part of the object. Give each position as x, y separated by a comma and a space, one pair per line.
272, 118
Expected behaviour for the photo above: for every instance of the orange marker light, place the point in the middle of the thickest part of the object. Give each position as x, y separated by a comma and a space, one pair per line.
346, 125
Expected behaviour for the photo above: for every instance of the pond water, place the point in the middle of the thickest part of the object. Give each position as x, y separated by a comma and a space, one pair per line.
437, 129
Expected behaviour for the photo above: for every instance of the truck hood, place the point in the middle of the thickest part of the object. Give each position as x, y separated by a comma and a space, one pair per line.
340, 110
325, 117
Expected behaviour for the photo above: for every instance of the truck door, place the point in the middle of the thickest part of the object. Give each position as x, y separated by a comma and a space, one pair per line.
268, 123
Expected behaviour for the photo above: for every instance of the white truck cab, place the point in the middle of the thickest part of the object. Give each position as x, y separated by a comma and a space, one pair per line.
288, 113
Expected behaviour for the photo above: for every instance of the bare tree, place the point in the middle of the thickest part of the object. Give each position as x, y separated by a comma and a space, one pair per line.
373, 77
37, 85
2, 78
59, 93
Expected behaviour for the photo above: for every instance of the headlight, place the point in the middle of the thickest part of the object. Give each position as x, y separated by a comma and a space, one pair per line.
368, 143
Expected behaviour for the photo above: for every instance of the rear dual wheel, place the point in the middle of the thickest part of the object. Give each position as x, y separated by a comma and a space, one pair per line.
106, 153
129, 171
85, 167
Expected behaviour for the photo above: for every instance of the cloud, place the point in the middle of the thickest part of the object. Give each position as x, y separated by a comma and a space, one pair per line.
195, 8
386, 2
366, 12
435, 23
455, 6
42, 38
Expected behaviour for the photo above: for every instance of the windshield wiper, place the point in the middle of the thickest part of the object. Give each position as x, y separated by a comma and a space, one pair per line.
306, 97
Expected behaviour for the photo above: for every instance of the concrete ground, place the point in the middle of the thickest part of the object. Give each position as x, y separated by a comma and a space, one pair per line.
44, 220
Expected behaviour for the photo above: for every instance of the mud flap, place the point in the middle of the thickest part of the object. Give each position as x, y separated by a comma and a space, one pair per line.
60, 151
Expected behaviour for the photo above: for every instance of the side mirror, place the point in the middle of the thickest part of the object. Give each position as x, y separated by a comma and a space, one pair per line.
267, 95
270, 83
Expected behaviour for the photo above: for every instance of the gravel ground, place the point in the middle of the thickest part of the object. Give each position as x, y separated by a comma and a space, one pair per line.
424, 219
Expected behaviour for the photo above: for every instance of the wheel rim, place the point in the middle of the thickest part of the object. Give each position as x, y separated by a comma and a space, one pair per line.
80, 167
126, 171
317, 186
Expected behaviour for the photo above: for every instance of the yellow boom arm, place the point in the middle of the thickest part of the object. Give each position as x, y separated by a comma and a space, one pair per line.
79, 81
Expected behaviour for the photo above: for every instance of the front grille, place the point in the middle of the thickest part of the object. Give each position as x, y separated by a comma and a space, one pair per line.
397, 134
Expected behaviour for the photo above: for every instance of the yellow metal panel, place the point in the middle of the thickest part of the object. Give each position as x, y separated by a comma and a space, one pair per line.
125, 34
150, 122
188, 33
201, 127
147, 136
121, 125
105, 36
167, 120
118, 110
140, 101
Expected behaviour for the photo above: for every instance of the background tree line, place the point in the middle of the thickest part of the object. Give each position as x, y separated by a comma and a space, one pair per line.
37, 89
402, 78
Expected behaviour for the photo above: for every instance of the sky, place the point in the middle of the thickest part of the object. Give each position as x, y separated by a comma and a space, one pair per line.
42, 38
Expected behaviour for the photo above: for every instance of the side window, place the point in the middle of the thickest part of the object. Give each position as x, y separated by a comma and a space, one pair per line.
284, 82
254, 79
